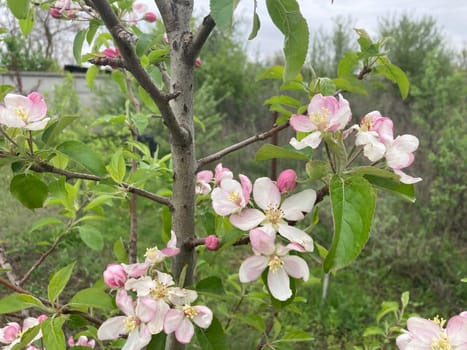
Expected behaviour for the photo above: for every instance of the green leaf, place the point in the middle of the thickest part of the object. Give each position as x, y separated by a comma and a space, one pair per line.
46, 221
386, 308
347, 64
78, 45
91, 75
29, 190
351, 84
26, 24
406, 191
396, 75
254, 321
92, 237
117, 166
373, 330
256, 22
269, 151
353, 202
94, 25
286, 15
222, 13
212, 285
17, 302
92, 298
157, 342
372, 170
58, 281
27, 337
120, 252
317, 169
83, 155
4, 90
212, 338
19, 8
159, 55
405, 298
295, 336
55, 128
284, 100
52, 333
274, 72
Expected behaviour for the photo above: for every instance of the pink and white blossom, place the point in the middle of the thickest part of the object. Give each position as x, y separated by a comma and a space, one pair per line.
114, 276
221, 173
140, 318
155, 256
325, 114
231, 196
203, 179
136, 270
281, 265
275, 215
82, 341
287, 180
425, 334
180, 319
399, 155
11, 333
24, 112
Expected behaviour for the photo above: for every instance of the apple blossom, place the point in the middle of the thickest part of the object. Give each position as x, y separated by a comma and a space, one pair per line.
399, 155
82, 341
430, 335
111, 52
231, 196
221, 173
325, 114
203, 178
180, 318
275, 215
155, 256
198, 62
24, 112
211, 242
281, 265
150, 17
287, 180
114, 276
11, 333
136, 270
140, 316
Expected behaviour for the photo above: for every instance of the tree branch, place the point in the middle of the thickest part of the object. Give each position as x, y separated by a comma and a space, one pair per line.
202, 34
125, 41
47, 168
258, 137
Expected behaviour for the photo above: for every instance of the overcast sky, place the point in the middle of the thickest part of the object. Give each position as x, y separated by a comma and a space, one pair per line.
451, 16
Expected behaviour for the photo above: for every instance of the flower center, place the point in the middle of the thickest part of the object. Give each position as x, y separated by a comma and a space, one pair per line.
153, 254
442, 343
159, 292
235, 197
189, 311
366, 124
275, 263
21, 113
131, 322
320, 118
274, 215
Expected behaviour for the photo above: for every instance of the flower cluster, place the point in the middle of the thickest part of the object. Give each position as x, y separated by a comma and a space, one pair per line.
328, 115
157, 305
26, 112
260, 209
82, 341
431, 335
62, 9
12, 332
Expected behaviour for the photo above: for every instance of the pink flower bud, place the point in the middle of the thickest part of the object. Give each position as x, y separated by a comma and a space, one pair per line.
114, 276
150, 17
287, 180
41, 318
55, 12
9, 333
111, 53
212, 242
71, 14
198, 62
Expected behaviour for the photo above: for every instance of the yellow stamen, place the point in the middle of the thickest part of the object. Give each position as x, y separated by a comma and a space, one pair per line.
442, 343
320, 118
152, 253
235, 197
21, 112
131, 323
190, 311
159, 292
273, 214
275, 263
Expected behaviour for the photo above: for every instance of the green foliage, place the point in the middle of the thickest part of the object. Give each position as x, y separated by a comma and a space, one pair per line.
29, 190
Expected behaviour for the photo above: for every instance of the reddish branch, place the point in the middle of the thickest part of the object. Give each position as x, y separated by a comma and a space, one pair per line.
47, 168
125, 42
240, 145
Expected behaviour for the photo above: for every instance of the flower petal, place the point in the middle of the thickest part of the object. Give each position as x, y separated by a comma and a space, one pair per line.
125, 303
252, 268
262, 242
185, 331
296, 267
296, 235
138, 339
407, 179
172, 320
112, 328
301, 123
247, 219
299, 203
423, 330
266, 193
456, 330
146, 308
279, 284
203, 318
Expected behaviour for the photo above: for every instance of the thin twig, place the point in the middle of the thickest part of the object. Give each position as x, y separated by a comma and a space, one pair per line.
8, 137
165, 75
264, 336
200, 38
240, 145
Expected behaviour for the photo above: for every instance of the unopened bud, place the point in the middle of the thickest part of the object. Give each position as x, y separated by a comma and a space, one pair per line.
150, 17
212, 242
55, 12
198, 62
41, 318
114, 276
287, 180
